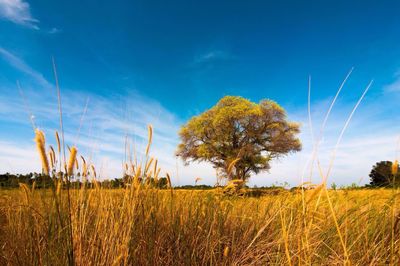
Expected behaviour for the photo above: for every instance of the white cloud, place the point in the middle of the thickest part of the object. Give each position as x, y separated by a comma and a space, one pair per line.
371, 137
53, 31
17, 157
394, 86
104, 129
212, 56
105, 126
18, 12
103, 132
22, 66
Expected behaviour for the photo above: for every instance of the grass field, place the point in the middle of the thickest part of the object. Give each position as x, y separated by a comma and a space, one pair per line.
140, 224
145, 226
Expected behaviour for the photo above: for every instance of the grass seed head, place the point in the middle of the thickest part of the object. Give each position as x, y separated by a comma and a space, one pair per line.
51, 160
150, 138
226, 252
169, 180
231, 166
40, 145
71, 161
395, 167
93, 171
84, 167
58, 143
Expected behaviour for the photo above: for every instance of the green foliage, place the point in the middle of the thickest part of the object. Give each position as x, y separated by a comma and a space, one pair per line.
196, 187
236, 128
8, 180
381, 175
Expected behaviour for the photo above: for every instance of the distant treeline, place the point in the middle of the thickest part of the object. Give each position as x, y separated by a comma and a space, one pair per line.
383, 174
8, 180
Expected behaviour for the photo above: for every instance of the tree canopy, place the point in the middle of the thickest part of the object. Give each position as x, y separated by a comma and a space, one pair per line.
239, 137
382, 174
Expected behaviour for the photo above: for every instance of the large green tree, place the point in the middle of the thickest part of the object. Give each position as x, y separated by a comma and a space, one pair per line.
239, 132
384, 174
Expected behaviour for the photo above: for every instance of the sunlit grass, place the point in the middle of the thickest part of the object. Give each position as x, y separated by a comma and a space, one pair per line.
140, 224
145, 226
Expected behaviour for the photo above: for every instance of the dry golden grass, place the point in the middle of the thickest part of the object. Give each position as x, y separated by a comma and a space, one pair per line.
40, 146
142, 225
72, 161
145, 226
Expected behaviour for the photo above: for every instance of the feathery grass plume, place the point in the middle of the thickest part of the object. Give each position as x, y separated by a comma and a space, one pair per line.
146, 169
84, 167
71, 161
395, 167
53, 155
169, 180
197, 180
59, 150
150, 138
231, 165
51, 160
226, 252
93, 170
76, 164
155, 166
155, 174
58, 143
40, 145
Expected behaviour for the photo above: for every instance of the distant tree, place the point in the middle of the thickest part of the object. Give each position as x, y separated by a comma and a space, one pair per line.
117, 183
162, 182
239, 132
382, 174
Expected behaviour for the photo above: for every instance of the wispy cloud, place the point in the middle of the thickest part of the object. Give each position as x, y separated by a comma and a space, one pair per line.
18, 11
53, 30
21, 65
395, 85
105, 127
213, 56
371, 136
103, 133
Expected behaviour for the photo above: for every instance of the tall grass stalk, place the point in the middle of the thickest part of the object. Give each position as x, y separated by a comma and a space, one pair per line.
67, 177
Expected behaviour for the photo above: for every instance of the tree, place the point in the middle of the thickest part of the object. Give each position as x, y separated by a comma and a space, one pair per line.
239, 137
382, 174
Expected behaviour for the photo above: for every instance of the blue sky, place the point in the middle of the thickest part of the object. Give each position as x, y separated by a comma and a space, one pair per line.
140, 62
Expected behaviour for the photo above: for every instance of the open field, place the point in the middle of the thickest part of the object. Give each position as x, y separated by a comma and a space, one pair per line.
199, 133
145, 226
